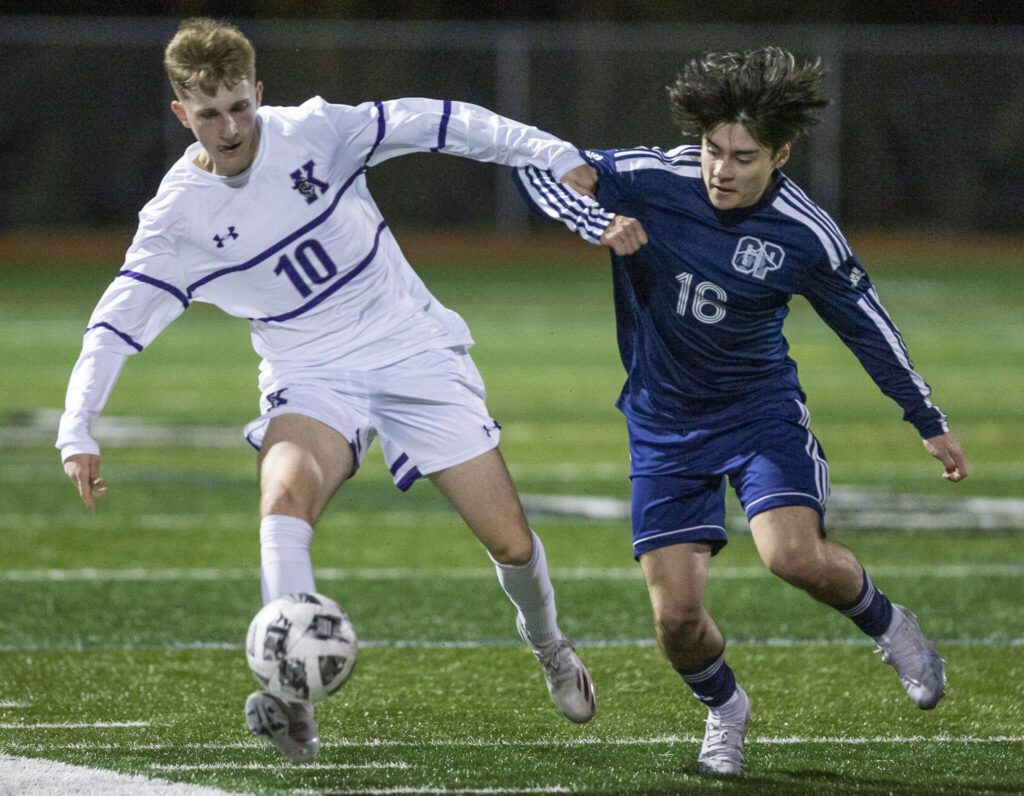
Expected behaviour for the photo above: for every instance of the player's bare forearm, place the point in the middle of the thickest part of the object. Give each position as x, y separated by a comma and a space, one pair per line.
83, 469
947, 449
624, 235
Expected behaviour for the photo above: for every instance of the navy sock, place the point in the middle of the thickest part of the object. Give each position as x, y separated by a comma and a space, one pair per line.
872, 612
714, 683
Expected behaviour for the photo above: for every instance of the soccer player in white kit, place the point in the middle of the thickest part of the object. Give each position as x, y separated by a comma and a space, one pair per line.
268, 217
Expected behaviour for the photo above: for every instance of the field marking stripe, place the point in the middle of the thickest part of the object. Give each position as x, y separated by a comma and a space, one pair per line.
222, 766
403, 573
401, 790
469, 644
70, 725
26, 775
658, 740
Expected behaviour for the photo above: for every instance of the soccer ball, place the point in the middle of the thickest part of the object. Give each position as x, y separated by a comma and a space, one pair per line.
301, 647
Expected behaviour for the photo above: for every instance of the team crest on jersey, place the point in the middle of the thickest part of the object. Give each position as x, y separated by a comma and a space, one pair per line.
306, 184
757, 257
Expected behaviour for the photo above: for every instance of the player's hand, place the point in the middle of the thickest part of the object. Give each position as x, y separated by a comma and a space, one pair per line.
946, 448
84, 471
582, 179
624, 235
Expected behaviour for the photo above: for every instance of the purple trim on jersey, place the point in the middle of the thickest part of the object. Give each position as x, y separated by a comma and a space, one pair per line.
118, 332
157, 283
398, 463
409, 479
343, 280
381, 126
442, 133
259, 258
248, 438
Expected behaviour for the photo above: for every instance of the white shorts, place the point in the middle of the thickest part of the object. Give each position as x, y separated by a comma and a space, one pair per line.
429, 410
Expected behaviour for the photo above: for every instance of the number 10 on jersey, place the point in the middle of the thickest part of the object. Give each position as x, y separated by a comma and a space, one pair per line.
315, 266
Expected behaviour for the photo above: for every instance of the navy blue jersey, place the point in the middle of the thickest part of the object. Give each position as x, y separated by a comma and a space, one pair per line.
700, 308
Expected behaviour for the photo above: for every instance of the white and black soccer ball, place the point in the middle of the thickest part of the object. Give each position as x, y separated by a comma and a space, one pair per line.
301, 647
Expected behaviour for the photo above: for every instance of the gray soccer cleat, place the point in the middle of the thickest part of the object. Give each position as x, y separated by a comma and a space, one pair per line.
569, 683
722, 750
289, 726
906, 649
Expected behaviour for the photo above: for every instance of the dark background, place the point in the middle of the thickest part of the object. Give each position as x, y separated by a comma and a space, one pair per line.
925, 133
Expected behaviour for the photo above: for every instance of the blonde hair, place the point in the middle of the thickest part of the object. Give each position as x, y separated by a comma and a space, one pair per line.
208, 54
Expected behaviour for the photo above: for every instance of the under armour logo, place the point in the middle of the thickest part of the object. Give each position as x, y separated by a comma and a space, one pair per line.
231, 235
276, 399
495, 427
757, 257
306, 184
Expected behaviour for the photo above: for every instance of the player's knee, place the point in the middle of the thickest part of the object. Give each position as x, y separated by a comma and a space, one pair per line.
512, 549
803, 569
679, 622
286, 498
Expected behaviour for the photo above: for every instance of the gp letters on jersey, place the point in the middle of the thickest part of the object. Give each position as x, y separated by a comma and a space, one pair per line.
757, 257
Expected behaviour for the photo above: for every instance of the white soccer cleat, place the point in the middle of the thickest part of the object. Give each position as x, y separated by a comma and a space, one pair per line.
722, 750
906, 649
289, 726
569, 683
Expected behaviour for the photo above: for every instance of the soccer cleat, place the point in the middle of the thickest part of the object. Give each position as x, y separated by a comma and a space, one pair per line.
722, 750
906, 649
289, 726
569, 683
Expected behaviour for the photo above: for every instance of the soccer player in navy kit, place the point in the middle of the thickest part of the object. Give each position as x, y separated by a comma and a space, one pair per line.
710, 242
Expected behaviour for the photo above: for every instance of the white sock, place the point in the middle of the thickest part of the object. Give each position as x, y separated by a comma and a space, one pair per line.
285, 565
529, 588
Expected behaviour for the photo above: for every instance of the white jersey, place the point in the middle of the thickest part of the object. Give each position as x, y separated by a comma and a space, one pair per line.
295, 244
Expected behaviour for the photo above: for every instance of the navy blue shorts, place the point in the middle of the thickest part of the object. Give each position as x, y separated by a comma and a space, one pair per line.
769, 455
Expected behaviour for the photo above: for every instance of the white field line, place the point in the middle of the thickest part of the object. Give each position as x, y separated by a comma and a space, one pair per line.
431, 790
477, 644
6, 704
943, 571
492, 743
988, 514
70, 725
19, 775
224, 766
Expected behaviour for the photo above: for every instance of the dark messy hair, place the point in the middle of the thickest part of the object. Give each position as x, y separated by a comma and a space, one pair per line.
764, 90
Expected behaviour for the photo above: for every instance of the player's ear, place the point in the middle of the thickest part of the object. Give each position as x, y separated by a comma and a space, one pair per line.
782, 156
259, 93
179, 111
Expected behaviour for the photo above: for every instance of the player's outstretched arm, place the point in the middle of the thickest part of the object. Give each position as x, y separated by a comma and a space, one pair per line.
946, 448
84, 471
